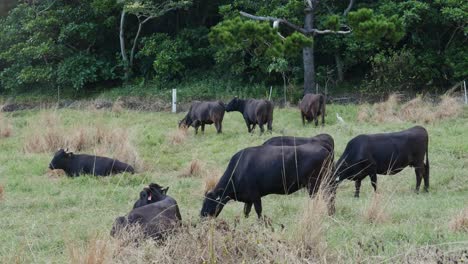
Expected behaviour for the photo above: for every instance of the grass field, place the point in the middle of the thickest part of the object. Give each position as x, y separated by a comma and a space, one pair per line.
43, 218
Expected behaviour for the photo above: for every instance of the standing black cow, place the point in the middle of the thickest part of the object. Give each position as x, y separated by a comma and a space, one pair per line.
312, 106
151, 194
201, 113
324, 140
156, 219
387, 153
254, 112
74, 165
258, 171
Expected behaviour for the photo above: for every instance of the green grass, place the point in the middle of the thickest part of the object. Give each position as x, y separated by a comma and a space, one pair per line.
41, 217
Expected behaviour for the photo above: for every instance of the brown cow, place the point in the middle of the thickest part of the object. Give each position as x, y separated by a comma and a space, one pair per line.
311, 106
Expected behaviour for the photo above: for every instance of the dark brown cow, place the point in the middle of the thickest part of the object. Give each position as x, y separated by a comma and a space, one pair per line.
201, 113
312, 106
254, 112
386, 153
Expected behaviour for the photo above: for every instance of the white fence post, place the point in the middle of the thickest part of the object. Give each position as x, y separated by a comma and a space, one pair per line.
174, 100
466, 97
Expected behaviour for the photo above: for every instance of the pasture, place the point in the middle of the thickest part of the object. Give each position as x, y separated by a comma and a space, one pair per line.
47, 218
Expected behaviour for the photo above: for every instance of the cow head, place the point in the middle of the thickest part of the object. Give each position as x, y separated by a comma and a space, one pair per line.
342, 170
214, 203
185, 122
151, 194
233, 105
61, 159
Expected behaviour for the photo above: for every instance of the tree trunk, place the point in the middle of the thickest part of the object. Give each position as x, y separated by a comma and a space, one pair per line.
339, 67
308, 55
122, 46
135, 42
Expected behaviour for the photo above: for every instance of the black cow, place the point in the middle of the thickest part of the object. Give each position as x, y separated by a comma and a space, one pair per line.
324, 140
201, 113
312, 106
254, 112
387, 153
74, 165
156, 218
258, 171
151, 194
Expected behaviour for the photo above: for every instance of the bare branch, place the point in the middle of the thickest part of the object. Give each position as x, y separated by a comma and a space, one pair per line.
350, 6
275, 20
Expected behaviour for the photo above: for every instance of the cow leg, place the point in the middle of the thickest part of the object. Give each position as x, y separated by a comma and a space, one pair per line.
196, 130
253, 127
258, 208
357, 185
419, 175
316, 120
269, 124
373, 179
203, 128
261, 127
248, 125
303, 118
218, 127
247, 208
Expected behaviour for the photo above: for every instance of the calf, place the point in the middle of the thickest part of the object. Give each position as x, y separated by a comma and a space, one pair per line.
155, 219
201, 113
312, 106
258, 171
254, 112
387, 153
74, 165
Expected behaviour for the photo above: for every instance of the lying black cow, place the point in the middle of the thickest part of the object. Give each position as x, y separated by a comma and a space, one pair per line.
156, 219
74, 165
312, 106
201, 113
258, 171
324, 140
254, 112
387, 153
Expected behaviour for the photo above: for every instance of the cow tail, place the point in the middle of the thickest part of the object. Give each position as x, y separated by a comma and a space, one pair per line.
426, 166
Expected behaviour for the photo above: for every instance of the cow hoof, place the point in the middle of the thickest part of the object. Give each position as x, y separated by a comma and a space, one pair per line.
356, 196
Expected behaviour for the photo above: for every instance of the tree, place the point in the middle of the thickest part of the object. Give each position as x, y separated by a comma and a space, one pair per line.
308, 30
144, 10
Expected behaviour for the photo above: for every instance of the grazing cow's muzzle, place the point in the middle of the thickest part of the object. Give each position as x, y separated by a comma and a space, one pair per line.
51, 167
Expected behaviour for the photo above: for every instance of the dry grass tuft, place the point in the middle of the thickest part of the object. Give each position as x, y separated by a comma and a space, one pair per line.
196, 168
210, 179
460, 222
449, 107
6, 128
375, 212
98, 251
56, 174
118, 106
178, 136
416, 110
47, 134
310, 232
2, 191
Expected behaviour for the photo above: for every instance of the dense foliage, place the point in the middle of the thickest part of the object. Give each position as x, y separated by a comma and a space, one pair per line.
75, 45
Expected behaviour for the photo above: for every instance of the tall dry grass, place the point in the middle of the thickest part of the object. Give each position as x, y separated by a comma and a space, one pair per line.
6, 129
196, 168
460, 222
47, 134
415, 110
376, 211
178, 136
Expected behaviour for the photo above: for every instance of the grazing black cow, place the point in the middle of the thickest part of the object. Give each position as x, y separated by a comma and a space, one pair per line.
76, 164
254, 112
201, 113
156, 219
387, 153
258, 171
312, 106
324, 140
151, 194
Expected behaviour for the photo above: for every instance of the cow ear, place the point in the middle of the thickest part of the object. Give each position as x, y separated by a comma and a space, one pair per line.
164, 190
70, 154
